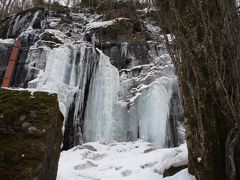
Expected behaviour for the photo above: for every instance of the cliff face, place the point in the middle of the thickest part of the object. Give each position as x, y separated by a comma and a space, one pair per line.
65, 51
31, 136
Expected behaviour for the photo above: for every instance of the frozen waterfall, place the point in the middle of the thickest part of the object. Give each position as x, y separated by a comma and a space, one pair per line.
123, 92
152, 111
100, 123
106, 106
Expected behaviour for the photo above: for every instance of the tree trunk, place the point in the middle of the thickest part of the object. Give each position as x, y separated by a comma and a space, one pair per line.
207, 37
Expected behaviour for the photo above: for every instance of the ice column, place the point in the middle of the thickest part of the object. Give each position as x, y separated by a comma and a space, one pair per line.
152, 110
100, 120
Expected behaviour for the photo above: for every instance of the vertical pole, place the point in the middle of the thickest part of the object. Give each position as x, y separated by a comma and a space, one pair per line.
11, 64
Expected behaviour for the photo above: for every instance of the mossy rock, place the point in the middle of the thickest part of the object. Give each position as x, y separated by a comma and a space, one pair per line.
31, 136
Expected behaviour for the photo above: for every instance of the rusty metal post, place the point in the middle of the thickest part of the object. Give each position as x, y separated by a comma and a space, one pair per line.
11, 64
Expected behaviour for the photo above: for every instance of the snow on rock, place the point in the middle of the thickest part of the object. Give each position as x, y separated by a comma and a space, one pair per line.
94, 25
58, 34
148, 90
125, 160
6, 41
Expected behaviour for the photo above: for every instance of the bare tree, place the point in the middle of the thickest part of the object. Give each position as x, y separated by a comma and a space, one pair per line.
206, 56
6, 7
38, 2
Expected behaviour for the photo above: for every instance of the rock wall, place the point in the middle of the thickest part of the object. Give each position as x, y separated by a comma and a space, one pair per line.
31, 136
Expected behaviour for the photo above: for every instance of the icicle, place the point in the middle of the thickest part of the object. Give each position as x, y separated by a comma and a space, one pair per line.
33, 20
124, 49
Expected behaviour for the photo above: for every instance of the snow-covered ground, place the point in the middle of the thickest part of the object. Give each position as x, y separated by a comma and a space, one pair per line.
121, 161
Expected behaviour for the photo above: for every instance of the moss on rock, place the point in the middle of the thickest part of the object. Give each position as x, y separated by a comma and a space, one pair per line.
30, 131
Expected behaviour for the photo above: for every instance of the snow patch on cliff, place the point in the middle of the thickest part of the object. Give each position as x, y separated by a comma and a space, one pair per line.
6, 41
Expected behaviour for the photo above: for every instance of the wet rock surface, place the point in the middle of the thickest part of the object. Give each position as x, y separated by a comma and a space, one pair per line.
31, 136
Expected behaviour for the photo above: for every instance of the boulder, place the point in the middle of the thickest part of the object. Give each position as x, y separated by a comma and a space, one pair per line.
31, 135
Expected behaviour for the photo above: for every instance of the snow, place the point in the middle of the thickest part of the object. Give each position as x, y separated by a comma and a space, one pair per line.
99, 24
7, 41
154, 29
118, 161
95, 25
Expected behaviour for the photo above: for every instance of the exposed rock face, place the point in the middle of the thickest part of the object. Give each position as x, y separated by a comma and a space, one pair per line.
31, 136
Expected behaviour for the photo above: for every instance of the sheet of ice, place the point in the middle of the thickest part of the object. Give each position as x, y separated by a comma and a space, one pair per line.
52, 78
100, 121
119, 161
151, 109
